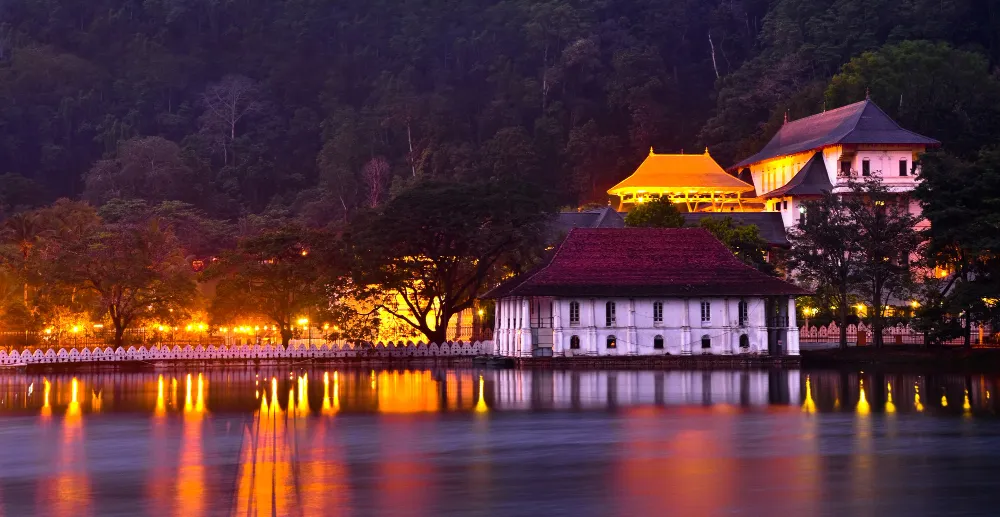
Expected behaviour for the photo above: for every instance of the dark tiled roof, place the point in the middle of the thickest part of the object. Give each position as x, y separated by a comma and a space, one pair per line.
606, 217
772, 228
811, 180
859, 123
644, 262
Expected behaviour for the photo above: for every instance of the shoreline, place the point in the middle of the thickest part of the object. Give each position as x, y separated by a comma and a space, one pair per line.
945, 359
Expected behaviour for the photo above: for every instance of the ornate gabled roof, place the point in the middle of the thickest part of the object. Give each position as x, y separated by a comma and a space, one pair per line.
681, 172
811, 180
859, 123
670, 262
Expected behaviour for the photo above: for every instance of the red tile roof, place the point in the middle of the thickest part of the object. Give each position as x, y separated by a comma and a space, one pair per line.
625, 262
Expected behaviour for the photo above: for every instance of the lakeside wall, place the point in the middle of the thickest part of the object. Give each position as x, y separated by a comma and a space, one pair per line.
223, 353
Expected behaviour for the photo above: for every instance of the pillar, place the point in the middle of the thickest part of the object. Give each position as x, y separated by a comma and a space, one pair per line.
793, 328
730, 347
592, 328
557, 331
631, 335
496, 326
526, 327
686, 328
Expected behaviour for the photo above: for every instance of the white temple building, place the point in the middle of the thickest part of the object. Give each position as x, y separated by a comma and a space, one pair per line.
644, 291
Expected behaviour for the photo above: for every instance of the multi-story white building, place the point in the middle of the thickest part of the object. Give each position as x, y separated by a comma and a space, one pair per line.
644, 291
820, 153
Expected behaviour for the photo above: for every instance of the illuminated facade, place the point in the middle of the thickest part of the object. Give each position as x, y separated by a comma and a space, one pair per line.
679, 291
694, 181
820, 153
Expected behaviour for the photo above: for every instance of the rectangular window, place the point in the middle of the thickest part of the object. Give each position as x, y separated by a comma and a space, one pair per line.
657, 312
574, 313
706, 312
784, 205
845, 168
743, 312
866, 168
904, 167
609, 314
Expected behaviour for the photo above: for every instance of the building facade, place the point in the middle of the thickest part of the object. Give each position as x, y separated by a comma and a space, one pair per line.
645, 291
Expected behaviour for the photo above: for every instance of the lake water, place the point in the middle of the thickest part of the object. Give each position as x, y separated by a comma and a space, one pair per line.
487, 442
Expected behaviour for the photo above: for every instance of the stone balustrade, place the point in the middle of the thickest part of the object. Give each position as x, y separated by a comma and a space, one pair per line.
246, 352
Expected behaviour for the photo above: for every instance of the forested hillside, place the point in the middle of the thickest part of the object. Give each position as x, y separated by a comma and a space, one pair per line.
323, 107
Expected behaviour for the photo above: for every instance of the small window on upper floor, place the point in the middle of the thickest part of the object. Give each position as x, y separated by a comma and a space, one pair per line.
845, 168
784, 205
574, 313
609, 315
866, 168
657, 312
904, 168
744, 313
706, 311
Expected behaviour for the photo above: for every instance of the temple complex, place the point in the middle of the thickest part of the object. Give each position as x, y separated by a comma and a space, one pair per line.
806, 158
694, 181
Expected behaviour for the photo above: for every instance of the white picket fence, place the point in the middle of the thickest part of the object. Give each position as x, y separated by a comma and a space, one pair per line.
248, 352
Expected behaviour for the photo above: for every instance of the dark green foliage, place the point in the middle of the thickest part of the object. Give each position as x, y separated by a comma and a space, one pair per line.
744, 241
660, 213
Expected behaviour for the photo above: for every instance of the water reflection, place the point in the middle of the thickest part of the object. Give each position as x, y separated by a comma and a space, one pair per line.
431, 391
371, 442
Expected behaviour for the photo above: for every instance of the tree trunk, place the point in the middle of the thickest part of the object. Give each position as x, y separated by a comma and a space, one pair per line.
843, 319
119, 335
286, 336
967, 330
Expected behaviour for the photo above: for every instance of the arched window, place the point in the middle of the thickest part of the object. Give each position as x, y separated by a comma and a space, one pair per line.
658, 343
609, 314
744, 341
743, 312
574, 313
657, 312
706, 341
612, 342
574, 343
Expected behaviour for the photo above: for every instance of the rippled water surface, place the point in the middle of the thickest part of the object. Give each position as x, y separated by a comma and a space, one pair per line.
485, 442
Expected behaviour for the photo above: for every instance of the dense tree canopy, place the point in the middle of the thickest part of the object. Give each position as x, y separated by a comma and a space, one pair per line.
238, 107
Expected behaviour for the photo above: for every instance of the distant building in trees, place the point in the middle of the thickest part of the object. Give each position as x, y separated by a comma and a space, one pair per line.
805, 158
696, 182
677, 291
820, 153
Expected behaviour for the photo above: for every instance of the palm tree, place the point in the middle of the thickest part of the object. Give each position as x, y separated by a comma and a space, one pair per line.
23, 230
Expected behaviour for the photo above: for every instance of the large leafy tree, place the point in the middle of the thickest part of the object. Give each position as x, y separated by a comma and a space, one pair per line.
431, 251
135, 272
961, 201
743, 239
826, 253
279, 275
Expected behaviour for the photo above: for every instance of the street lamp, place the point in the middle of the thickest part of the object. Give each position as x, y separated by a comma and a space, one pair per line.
304, 323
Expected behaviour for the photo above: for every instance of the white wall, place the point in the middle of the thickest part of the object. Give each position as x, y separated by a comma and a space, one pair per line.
635, 329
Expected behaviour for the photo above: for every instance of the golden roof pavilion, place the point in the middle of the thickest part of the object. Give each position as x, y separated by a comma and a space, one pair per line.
695, 181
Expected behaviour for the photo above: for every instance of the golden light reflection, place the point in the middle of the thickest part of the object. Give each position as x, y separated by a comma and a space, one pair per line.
190, 495
328, 407
889, 406
96, 401
188, 403
73, 410
863, 407
916, 398
944, 401
481, 399
266, 483
46, 391
966, 406
407, 392
809, 406
303, 400
161, 403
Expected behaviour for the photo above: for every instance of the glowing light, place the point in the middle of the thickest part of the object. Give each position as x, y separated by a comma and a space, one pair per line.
966, 406
889, 406
914, 304
73, 410
199, 404
916, 398
98, 326
274, 390
46, 390
75, 329
863, 407
188, 403
160, 328
944, 401
48, 331
161, 403
808, 406
481, 312
303, 321
305, 253
481, 402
